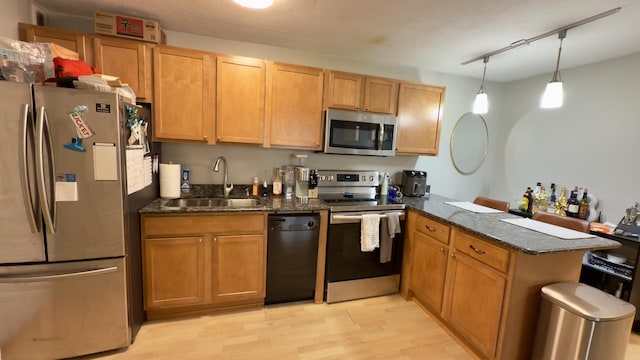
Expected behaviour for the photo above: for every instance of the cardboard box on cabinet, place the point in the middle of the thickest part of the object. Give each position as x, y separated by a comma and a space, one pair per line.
128, 27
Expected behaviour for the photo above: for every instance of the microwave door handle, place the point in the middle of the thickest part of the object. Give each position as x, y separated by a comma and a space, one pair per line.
27, 193
380, 136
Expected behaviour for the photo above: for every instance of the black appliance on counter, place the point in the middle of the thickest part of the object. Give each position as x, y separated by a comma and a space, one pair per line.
414, 182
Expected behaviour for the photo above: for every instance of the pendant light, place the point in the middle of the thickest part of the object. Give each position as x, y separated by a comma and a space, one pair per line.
553, 94
481, 104
255, 4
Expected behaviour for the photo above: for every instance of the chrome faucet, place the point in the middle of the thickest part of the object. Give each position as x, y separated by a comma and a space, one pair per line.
216, 168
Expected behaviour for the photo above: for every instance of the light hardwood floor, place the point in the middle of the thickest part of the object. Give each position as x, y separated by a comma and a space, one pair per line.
384, 327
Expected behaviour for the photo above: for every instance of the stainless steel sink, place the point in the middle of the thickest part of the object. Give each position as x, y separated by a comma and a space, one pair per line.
212, 202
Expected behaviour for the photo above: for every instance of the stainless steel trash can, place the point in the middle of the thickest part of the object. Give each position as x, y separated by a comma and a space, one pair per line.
577, 321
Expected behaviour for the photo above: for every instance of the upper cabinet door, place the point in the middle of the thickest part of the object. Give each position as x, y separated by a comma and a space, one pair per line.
127, 59
380, 95
184, 91
419, 119
71, 40
240, 100
294, 99
345, 90
363, 93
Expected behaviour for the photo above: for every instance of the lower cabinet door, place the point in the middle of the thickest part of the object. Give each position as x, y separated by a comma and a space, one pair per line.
174, 271
429, 264
474, 302
238, 267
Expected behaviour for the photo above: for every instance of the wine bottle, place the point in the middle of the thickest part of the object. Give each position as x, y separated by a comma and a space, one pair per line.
573, 205
583, 205
552, 199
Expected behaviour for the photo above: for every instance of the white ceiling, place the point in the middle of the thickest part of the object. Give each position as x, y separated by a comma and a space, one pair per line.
427, 34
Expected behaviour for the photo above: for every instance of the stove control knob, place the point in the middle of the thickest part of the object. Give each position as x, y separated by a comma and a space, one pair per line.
364, 178
371, 178
322, 178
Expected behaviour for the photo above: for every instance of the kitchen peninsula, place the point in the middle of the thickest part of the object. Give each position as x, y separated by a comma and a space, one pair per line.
478, 276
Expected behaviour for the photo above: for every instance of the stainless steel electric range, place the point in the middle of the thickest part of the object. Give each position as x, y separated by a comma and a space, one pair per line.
350, 272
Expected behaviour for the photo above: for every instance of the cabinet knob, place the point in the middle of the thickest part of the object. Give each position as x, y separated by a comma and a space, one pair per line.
453, 255
479, 251
206, 138
442, 249
215, 239
200, 240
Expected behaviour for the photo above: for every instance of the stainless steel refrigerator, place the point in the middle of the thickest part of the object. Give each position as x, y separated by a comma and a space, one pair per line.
70, 262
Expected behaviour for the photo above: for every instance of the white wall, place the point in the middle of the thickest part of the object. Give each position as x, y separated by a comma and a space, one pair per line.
11, 13
592, 141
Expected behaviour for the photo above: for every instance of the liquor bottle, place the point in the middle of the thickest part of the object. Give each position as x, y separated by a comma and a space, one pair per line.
543, 199
573, 205
561, 204
583, 205
552, 199
527, 200
536, 197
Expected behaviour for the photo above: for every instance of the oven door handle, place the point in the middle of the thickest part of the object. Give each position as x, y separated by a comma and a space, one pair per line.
349, 219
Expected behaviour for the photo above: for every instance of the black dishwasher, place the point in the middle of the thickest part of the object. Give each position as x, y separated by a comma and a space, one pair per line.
292, 256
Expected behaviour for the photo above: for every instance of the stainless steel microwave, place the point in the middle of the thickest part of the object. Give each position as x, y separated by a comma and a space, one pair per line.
360, 133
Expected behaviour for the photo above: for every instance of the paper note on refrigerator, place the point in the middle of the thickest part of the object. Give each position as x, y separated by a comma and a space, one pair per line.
66, 187
105, 161
135, 169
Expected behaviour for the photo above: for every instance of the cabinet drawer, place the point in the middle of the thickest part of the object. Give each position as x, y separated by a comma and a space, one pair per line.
494, 256
433, 228
160, 225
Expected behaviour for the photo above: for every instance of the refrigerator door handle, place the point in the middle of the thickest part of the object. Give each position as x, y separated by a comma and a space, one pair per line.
31, 208
43, 134
50, 277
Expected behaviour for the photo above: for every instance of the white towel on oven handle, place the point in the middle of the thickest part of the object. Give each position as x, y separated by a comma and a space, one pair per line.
369, 232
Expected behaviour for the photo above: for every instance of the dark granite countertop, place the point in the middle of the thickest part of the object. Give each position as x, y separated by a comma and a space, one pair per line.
487, 226
490, 227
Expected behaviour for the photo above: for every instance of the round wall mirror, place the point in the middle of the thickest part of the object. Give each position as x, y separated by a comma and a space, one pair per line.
469, 143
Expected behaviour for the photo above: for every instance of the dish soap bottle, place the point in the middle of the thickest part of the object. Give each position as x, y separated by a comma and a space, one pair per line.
185, 186
384, 187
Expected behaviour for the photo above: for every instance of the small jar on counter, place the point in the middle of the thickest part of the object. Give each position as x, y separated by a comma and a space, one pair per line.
277, 182
256, 187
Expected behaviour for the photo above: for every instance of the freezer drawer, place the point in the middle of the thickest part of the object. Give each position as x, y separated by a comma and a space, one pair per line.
62, 310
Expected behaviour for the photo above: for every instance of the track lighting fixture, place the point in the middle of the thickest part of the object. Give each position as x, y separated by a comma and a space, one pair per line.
481, 104
553, 94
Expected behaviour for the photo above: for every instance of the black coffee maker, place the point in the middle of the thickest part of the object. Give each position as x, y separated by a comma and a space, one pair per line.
414, 182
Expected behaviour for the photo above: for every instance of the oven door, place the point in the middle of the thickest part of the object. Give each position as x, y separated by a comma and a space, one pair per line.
345, 260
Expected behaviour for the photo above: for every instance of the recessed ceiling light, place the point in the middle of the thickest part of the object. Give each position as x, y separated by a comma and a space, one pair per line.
255, 4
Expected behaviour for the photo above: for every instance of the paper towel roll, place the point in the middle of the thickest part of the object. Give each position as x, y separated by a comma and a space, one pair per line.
170, 181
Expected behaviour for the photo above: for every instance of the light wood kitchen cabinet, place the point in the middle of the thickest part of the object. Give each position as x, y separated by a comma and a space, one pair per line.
174, 273
240, 100
358, 92
72, 40
429, 265
129, 60
475, 294
238, 267
184, 94
491, 294
420, 109
294, 106
199, 263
